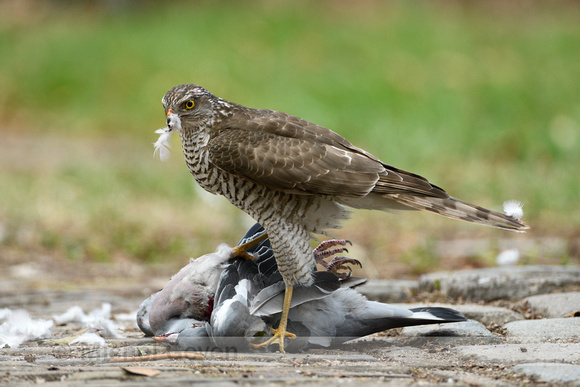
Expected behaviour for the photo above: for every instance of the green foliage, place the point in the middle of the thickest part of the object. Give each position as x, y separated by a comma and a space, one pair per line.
483, 99
422, 258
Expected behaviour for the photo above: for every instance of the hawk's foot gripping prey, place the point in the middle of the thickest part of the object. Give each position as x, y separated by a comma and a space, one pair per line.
280, 334
295, 177
339, 263
240, 250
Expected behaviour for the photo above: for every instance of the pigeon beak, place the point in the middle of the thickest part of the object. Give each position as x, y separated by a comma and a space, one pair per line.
170, 338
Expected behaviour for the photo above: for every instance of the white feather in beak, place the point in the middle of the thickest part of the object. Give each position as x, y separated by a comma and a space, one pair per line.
162, 146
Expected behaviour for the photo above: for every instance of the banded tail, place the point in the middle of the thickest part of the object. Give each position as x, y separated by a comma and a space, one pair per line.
458, 209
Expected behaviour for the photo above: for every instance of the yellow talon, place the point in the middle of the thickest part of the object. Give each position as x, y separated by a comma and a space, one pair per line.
240, 250
280, 333
278, 337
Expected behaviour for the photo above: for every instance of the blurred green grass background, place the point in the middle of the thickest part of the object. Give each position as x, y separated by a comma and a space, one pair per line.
481, 98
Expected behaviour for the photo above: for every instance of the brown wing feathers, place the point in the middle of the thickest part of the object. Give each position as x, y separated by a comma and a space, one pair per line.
294, 155
298, 165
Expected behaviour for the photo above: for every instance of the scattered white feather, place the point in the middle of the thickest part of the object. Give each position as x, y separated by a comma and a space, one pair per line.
508, 257
99, 319
17, 327
90, 338
107, 328
127, 317
73, 314
76, 314
104, 313
129, 320
514, 209
162, 146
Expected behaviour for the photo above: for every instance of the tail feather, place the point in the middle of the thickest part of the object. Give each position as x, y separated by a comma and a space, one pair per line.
458, 209
433, 313
356, 326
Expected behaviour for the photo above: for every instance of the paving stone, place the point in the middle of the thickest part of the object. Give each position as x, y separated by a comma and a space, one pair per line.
389, 291
551, 372
534, 331
461, 333
520, 353
412, 357
460, 353
469, 332
555, 305
501, 282
426, 341
466, 328
489, 314
461, 378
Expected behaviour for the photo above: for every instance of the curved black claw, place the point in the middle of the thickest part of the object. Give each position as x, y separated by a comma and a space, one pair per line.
328, 248
337, 264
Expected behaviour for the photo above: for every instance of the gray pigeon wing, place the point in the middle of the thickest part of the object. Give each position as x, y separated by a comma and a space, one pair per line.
269, 300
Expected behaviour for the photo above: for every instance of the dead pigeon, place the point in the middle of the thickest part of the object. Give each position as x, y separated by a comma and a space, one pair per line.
245, 302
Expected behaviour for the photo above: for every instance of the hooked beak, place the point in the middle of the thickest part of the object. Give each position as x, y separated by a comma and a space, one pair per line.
173, 120
170, 118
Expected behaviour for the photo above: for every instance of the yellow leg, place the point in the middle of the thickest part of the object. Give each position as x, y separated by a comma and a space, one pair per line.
280, 334
240, 250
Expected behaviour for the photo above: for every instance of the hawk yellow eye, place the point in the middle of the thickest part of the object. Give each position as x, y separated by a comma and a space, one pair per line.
189, 104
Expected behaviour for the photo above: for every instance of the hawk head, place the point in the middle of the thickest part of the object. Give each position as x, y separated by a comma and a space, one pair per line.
192, 105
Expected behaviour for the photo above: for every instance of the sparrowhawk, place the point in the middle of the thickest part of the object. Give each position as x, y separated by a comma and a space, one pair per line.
295, 177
